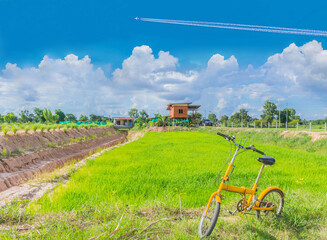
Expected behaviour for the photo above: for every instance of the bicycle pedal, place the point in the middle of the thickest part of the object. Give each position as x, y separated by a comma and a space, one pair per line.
230, 212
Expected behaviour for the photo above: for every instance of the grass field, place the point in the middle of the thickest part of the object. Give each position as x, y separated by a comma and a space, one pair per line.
171, 176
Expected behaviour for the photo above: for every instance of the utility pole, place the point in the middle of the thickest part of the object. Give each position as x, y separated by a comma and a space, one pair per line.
280, 108
286, 115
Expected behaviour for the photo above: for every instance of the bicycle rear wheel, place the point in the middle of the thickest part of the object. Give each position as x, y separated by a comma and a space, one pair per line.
208, 221
273, 198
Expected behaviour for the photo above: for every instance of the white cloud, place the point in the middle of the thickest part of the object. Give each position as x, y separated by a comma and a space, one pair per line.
70, 82
302, 68
146, 81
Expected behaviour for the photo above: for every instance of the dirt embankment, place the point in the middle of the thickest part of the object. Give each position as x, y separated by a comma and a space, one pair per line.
19, 169
25, 142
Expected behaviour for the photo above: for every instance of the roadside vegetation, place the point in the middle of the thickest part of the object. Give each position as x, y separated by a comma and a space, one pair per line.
271, 118
157, 187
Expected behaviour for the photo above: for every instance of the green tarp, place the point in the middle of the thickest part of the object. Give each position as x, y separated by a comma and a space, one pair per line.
84, 123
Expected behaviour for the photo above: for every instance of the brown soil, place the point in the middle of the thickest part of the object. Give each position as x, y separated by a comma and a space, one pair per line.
16, 170
34, 141
315, 136
36, 188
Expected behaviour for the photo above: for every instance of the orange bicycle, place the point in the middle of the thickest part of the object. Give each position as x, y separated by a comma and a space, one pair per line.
268, 204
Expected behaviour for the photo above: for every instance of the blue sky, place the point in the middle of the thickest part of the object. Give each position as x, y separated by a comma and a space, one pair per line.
107, 33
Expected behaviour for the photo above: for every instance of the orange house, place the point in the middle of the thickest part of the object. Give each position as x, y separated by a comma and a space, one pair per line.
180, 110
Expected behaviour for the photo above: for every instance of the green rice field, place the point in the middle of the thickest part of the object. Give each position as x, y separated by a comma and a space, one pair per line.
156, 188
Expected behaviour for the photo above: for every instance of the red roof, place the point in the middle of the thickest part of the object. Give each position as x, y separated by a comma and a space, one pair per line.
170, 105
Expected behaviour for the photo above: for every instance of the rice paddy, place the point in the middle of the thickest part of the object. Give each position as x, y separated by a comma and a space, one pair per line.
165, 179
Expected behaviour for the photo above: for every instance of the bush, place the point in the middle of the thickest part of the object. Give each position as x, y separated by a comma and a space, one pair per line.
65, 129
14, 129
5, 131
34, 127
41, 127
26, 129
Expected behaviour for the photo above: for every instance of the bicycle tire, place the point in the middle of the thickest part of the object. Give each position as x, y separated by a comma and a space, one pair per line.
280, 194
212, 221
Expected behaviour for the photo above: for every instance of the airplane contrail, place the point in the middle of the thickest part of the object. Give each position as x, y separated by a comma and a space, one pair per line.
245, 27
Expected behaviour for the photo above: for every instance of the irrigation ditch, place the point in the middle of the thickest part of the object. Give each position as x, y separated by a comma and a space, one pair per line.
26, 156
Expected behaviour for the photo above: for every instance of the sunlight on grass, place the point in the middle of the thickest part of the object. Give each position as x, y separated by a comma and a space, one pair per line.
154, 177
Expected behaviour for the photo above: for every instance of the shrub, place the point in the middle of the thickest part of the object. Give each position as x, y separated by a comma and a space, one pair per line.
65, 129
6, 153
34, 127
14, 129
26, 129
41, 127
5, 131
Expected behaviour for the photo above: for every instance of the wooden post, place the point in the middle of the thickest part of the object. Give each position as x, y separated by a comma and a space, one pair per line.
261, 124
248, 124
268, 124
254, 124
310, 126
232, 124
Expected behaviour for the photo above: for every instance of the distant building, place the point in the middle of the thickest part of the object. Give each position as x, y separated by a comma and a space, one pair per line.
180, 111
123, 122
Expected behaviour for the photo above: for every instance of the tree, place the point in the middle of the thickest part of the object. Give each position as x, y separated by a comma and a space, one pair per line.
10, 118
195, 117
26, 116
133, 113
39, 115
95, 118
49, 117
224, 118
61, 115
83, 118
165, 120
70, 117
213, 117
240, 116
290, 112
269, 111
23, 117
157, 115
143, 115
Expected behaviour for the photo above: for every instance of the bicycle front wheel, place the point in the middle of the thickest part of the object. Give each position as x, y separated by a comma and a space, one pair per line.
208, 221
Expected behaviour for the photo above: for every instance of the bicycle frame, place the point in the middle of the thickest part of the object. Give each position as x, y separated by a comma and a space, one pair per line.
242, 190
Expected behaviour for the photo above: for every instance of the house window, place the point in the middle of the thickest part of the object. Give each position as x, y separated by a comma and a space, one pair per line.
180, 111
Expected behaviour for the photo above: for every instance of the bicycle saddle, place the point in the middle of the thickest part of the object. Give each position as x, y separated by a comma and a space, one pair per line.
267, 160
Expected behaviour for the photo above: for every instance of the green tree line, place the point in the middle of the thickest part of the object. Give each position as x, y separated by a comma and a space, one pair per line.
47, 116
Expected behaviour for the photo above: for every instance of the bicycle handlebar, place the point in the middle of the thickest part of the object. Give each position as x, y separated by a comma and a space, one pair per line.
229, 138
